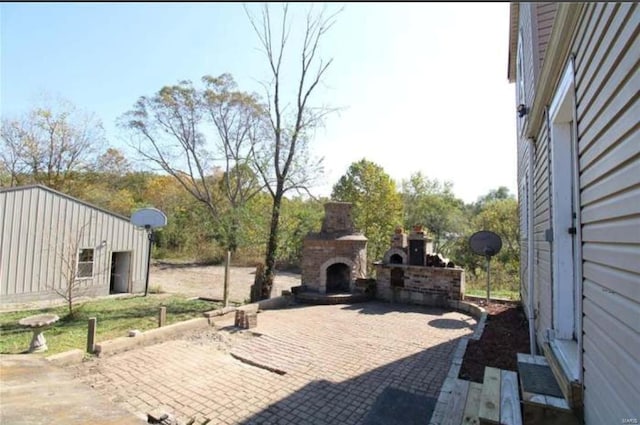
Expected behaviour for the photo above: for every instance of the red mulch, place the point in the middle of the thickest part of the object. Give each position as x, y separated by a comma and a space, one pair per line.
506, 333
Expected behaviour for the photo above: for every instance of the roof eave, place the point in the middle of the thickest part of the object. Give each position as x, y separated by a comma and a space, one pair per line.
514, 18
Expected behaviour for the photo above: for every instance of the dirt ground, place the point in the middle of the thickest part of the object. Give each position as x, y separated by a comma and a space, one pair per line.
505, 334
208, 281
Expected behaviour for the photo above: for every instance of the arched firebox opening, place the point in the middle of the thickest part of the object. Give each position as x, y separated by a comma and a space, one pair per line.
338, 278
395, 259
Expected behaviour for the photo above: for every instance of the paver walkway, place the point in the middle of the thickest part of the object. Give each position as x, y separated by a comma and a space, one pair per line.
307, 365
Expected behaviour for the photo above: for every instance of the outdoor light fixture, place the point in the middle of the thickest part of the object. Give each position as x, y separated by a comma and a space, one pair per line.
522, 110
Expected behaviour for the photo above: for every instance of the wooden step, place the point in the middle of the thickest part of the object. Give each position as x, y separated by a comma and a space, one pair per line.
543, 409
510, 413
471, 408
499, 398
489, 412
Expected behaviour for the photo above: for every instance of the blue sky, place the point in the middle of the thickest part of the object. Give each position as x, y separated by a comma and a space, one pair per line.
421, 86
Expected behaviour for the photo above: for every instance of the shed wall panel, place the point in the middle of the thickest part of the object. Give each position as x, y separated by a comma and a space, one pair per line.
41, 233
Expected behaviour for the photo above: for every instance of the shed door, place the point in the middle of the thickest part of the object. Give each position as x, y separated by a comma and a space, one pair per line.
120, 272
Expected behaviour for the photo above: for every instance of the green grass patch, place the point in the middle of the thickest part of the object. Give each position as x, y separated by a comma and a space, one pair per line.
499, 293
115, 317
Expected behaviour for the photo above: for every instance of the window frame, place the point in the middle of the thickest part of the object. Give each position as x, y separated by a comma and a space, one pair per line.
80, 262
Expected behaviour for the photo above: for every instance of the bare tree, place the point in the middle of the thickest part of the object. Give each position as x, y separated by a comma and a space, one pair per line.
284, 162
238, 119
167, 130
48, 144
77, 265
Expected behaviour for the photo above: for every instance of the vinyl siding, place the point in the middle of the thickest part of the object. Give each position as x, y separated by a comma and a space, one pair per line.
533, 18
607, 87
38, 230
542, 222
546, 13
523, 208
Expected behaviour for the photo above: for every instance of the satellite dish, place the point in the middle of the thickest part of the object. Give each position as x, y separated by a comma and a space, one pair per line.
485, 243
488, 244
149, 218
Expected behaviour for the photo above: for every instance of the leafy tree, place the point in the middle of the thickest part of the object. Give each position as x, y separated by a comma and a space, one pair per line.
497, 211
112, 163
168, 130
238, 118
49, 144
377, 206
299, 217
433, 204
496, 194
284, 162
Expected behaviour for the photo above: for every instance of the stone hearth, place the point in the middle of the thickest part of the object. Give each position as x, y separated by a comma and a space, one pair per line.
335, 257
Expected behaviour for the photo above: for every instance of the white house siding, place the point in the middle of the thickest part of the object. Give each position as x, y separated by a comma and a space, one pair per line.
527, 29
542, 223
545, 15
534, 26
38, 226
607, 49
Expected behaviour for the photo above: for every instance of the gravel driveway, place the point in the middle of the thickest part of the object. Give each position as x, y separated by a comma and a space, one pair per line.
208, 281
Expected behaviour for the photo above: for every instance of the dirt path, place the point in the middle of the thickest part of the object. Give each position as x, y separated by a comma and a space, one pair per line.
208, 281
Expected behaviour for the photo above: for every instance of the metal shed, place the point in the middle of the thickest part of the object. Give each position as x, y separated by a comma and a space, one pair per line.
49, 240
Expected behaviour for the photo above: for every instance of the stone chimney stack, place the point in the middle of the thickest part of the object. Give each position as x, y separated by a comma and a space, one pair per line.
337, 218
399, 239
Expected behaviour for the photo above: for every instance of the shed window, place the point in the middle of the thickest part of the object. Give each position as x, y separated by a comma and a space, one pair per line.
85, 263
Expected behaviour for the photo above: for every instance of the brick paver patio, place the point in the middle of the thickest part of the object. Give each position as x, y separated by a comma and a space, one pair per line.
306, 365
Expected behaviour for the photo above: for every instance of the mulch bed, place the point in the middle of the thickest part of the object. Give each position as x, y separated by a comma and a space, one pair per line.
505, 334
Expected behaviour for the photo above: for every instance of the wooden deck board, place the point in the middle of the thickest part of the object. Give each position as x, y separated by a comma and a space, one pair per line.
509, 399
457, 402
489, 412
470, 416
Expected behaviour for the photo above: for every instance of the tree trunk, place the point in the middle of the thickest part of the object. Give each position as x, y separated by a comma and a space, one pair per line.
272, 246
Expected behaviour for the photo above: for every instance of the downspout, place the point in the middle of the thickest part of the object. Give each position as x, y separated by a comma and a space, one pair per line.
530, 248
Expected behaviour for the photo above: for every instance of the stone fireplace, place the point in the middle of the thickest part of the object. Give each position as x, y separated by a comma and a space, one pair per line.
335, 257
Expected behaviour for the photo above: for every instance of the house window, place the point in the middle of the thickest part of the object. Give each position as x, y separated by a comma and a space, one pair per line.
85, 263
520, 72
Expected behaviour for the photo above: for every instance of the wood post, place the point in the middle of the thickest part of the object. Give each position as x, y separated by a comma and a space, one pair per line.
162, 316
91, 335
225, 297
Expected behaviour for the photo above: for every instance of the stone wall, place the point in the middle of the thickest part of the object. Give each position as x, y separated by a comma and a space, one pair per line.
433, 286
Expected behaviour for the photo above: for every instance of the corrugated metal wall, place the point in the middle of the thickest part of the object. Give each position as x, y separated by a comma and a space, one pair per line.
40, 229
607, 50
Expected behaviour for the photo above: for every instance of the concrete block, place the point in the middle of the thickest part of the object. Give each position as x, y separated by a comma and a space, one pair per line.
150, 337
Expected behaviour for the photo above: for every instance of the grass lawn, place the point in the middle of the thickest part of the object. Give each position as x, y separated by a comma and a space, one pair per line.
115, 317
495, 293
